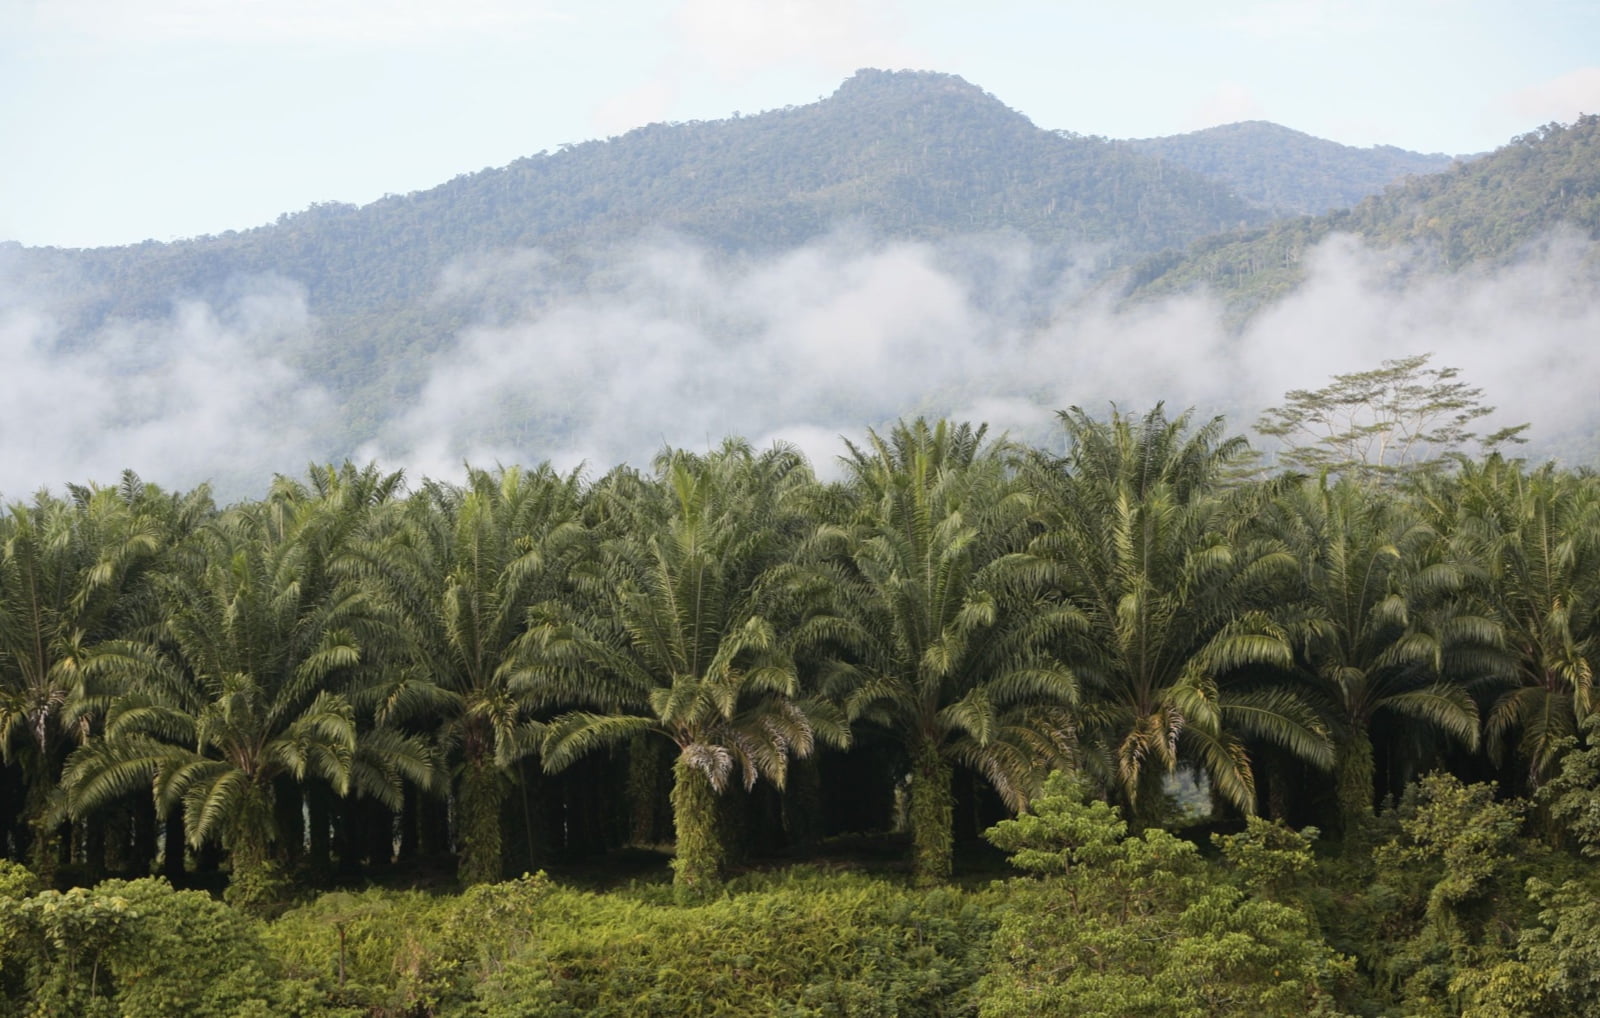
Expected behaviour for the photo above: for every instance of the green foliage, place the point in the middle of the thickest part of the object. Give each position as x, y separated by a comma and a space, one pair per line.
1535, 534
1461, 834
1445, 884
691, 637
1380, 621
1141, 926
139, 949
801, 945
944, 629
1063, 830
1573, 795
1173, 595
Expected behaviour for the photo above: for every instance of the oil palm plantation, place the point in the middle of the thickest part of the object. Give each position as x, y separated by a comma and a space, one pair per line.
944, 627
1384, 629
245, 686
1536, 534
461, 572
1176, 600
688, 635
73, 586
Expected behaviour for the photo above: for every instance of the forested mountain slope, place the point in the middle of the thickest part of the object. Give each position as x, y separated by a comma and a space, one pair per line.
1483, 211
1288, 171
908, 154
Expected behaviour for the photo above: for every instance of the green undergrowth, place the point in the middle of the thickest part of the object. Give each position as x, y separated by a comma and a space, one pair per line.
1456, 912
800, 943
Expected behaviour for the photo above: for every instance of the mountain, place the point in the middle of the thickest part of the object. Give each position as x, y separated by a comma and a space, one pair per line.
1482, 212
905, 154
1287, 171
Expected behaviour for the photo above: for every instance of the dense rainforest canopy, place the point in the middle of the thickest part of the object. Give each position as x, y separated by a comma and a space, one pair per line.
351, 682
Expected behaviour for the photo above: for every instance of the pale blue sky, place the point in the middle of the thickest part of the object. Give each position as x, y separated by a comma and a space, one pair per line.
128, 119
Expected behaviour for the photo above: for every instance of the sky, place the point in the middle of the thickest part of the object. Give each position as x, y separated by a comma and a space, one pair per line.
126, 120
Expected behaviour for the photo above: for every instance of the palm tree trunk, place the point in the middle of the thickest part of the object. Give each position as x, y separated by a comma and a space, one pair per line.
802, 806
255, 883
700, 854
1355, 770
252, 885
646, 758
45, 856
932, 813
172, 846
481, 794
319, 830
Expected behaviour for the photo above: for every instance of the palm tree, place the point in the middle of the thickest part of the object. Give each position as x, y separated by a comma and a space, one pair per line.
462, 573
72, 574
1383, 629
944, 629
1537, 536
1173, 597
689, 637
259, 639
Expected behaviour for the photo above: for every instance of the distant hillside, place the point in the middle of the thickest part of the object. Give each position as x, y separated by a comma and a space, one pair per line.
1287, 171
1483, 211
905, 154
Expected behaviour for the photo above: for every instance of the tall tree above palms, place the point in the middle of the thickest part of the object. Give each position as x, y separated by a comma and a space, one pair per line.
1173, 596
689, 637
462, 572
1385, 629
945, 628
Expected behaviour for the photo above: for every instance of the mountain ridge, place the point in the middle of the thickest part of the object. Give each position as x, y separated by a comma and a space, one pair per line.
1482, 211
1289, 171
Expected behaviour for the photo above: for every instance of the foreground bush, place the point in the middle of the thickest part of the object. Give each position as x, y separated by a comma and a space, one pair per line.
1123, 925
803, 944
137, 949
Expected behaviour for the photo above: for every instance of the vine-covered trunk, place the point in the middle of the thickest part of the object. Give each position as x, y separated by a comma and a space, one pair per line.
1145, 802
1355, 770
479, 832
932, 813
48, 838
698, 864
255, 883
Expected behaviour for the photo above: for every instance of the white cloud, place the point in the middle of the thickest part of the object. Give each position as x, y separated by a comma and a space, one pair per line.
674, 344
181, 399
682, 347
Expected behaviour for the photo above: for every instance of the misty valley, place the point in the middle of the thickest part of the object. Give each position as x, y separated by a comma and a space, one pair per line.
873, 557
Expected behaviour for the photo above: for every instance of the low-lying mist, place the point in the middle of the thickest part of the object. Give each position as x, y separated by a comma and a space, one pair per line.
674, 344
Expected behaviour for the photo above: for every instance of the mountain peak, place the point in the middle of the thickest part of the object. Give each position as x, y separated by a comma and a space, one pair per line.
876, 85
